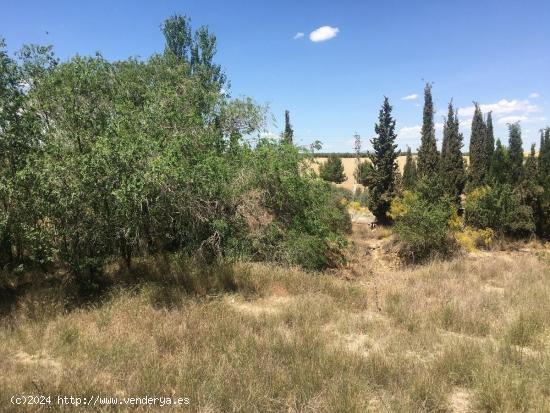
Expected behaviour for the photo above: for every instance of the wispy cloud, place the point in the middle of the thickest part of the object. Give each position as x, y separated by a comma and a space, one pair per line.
521, 118
534, 95
512, 119
409, 132
505, 111
298, 35
323, 33
410, 97
502, 107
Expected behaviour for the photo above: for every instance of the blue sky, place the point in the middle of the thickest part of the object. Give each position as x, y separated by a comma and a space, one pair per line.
496, 52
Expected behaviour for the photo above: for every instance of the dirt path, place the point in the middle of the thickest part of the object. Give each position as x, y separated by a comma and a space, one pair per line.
368, 258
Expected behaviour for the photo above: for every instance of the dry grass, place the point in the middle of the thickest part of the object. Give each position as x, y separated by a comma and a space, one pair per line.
472, 334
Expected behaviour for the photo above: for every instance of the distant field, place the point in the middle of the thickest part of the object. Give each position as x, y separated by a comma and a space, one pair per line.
349, 167
350, 164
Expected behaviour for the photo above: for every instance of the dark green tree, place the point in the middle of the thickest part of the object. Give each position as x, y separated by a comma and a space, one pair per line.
379, 174
499, 164
543, 220
428, 157
452, 164
288, 133
544, 154
530, 169
333, 170
409, 171
515, 153
479, 164
531, 192
490, 138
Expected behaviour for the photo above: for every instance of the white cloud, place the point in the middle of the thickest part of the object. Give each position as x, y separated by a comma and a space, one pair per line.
502, 107
323, 33
512, 119
521, 118
409, 132
410, 97
534, 95
298, 35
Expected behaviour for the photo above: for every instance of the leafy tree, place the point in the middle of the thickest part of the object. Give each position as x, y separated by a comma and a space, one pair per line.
177, 33
202, 59
196, 50
20, 139
428, 157
452, 163
409, 171
288, 133
333, 170
479, 164
515, 153
379, 175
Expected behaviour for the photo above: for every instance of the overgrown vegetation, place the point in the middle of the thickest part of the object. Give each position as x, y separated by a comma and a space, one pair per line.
104, 161
423, 226
500, 193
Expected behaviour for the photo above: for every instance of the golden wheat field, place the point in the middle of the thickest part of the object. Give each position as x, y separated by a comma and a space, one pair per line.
350, 165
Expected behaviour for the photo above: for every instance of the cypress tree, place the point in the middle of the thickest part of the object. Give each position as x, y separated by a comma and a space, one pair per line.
379, 174
479, 164
333, 170
499, 164
543, 219
544, 155
452, 163
428, 158
490, 139
409, 171
530, 171
515, 153
288, 134
398, 183
531, 192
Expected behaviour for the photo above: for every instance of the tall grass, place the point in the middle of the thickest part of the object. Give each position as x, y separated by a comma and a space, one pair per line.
256, 337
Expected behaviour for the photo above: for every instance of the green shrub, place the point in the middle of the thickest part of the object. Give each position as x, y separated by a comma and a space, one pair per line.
309, 220
333, 170
342, 193
421, 226
498, 207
